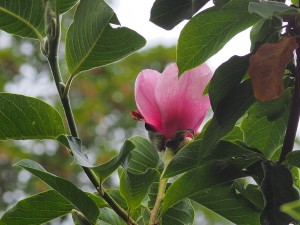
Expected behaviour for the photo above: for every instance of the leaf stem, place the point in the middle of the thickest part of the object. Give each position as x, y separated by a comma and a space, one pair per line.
168, 156
51, 54
293, 121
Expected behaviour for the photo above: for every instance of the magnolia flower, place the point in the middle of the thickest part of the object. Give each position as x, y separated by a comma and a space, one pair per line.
168, 103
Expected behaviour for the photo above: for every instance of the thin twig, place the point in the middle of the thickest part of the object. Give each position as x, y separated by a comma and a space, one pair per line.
51, 54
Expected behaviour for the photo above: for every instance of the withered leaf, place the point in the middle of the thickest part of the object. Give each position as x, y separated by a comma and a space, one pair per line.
267, 66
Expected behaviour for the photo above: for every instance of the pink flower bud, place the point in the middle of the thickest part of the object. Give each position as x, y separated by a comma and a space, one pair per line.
168, 104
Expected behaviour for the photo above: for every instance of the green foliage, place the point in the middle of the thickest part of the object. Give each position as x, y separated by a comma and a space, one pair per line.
210, 31
180, 214
65, 188
265, 125
293, 159
104, 170
224, 201
37, 209
135, 187
100, 44
278, 189
292, 209
144, 156
167, 14
226, 78
199, 180
231, 109
265, 31
22, 18
23, 117
216, 168
63, 5
269, 9
109, 217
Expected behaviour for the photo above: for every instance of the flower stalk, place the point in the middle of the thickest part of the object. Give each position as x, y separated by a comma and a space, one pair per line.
167, 157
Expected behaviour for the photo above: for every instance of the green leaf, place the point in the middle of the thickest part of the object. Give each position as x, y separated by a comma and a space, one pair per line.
37, 209
226, 78
268, 9
180, 214
265, 31
109, 217
22, 18
235, 135
293, 159
228, 112
210, 30
251, 192
277, 187
167, 14
104, 170
295, 2
23, 117
224, 201
186, 158
198, 180
135, 187
63, 5
92, 42
144, 156
264, 127
65, 188
79, 219
292, 209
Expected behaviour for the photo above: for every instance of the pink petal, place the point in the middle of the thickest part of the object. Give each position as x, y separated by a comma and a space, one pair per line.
144, 97
180, 101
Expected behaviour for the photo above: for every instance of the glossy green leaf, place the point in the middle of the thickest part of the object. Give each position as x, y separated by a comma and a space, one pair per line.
186, 159
23, 117
268, 9
144, 156
198, 180
264, 127
235, 135
109, 217
63, 5
228, 112
180, 214
135, 187
293, 159
278, 189
292, 209
265, 31
224, 201
65, 188
104, 170
226, 78
37, 209
92, 42
251, 192
22, 18
210, 30
167, 14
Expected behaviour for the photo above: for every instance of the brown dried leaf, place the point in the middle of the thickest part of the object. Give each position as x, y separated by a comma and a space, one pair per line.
267, 67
